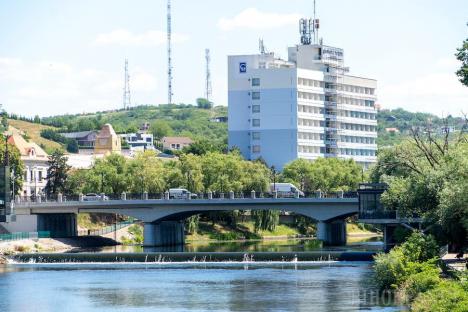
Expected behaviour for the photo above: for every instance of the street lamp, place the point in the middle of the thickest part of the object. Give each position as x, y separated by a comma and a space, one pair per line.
273, 172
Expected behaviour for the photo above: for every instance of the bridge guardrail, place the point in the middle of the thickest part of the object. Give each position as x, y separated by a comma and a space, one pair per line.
19, 200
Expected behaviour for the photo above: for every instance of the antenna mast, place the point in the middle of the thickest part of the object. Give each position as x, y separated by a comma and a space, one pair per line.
208, 75
169, 54
316, 26
126, 92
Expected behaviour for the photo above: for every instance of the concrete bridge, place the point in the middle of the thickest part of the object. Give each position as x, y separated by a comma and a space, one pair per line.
163, 218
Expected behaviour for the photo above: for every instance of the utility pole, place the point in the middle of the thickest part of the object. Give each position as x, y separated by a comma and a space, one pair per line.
169, 53
208, 75
126, 92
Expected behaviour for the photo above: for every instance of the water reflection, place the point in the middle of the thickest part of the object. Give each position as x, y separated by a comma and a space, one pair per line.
190, 287
281, 245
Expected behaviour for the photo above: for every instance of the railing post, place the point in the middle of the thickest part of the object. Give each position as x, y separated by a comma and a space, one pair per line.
38, 199
189, 197
296, 194
102, 196
166, 195
123, 196
59, 197
145, 195
340, 194
275, 194
231, 195
80, 197
18, 199
210, 195
252, 194
318, 194
221, 195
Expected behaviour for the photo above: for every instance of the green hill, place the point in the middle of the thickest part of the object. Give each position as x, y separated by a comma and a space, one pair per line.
195, 122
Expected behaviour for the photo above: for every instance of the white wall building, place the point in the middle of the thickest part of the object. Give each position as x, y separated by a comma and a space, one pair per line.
305, 107
35, 161
139, 141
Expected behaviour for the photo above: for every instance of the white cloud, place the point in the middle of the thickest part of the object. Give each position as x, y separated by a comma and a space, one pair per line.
437, 93
252, 18
126, 38
49, 88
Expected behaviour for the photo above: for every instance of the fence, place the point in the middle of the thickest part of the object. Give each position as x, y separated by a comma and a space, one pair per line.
24, 235
106, 230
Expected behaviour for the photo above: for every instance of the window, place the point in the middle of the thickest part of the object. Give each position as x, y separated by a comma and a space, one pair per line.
255, 108
255, 95
255, 82
256, 122
256, 148
256, 135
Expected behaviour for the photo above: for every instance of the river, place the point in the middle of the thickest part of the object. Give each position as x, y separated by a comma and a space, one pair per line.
196, 286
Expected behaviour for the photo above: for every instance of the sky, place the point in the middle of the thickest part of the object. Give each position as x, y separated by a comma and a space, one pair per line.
64, 56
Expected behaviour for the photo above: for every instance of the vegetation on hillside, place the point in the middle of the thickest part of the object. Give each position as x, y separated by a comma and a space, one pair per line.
33, 131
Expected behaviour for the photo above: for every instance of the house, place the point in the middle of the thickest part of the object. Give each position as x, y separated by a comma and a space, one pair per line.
219, 119
84, 139
176, 143
36, 163
139, 141
107, 141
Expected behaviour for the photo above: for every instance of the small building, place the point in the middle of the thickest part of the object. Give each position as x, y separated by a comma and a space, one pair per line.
176, 143
392, 130
36, 163
138, 141
221, 119
85, 139
107, 141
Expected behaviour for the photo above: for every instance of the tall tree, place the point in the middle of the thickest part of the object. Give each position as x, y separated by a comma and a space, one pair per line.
462, 56
57, 173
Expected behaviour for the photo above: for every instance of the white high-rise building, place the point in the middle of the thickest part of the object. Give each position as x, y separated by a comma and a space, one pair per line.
305, 107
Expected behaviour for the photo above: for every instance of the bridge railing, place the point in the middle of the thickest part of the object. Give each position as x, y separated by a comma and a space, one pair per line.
20, 200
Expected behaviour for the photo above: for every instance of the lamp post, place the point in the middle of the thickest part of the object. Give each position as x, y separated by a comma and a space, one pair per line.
102, 182
273, 173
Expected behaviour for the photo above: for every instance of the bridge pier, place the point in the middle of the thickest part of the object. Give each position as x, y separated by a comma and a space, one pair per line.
164, 233
59, 225
332, 233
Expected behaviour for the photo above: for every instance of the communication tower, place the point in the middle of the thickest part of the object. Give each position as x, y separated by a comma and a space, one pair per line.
126, 92
169, 54
208, 89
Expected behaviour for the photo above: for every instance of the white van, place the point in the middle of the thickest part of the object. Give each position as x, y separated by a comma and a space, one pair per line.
285, 189
180, 193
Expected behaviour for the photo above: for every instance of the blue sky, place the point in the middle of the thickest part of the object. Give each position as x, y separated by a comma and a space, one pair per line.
64, 56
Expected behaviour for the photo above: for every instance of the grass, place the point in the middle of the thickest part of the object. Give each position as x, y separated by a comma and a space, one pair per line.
34, 132
86, 222
357, 228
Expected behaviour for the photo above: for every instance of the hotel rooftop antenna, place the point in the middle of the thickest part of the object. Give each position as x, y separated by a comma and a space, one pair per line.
126, 92
169, 54
316, 26
208, 90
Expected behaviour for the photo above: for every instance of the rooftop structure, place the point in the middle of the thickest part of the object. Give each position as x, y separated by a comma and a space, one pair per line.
175, 143
107, 141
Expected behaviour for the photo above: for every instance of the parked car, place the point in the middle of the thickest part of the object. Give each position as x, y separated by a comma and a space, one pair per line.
285, 189
93, 197
180, 193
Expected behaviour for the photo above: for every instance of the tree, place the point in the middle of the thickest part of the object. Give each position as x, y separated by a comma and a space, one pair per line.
204, 103
462, 56
16, 165
57, 173
160, 129
325, 174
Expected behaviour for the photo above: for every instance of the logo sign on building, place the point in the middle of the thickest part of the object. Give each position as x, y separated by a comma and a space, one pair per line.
243, 67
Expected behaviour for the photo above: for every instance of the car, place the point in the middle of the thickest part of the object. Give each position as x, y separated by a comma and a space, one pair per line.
93, 197
181, 193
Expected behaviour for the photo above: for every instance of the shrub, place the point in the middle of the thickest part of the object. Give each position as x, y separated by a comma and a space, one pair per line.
448, 296
423, 277
390, 269
420, 248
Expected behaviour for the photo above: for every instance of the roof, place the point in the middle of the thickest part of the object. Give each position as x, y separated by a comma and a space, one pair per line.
180, 140
27, 148
76, 135
106, 131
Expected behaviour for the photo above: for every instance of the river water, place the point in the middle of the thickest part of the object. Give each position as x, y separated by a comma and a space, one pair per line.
202, 286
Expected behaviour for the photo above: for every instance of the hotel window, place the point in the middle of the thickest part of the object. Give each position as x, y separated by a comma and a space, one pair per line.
255, 95
256, 148
255, 108
255, 82
255, 135
256, 122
